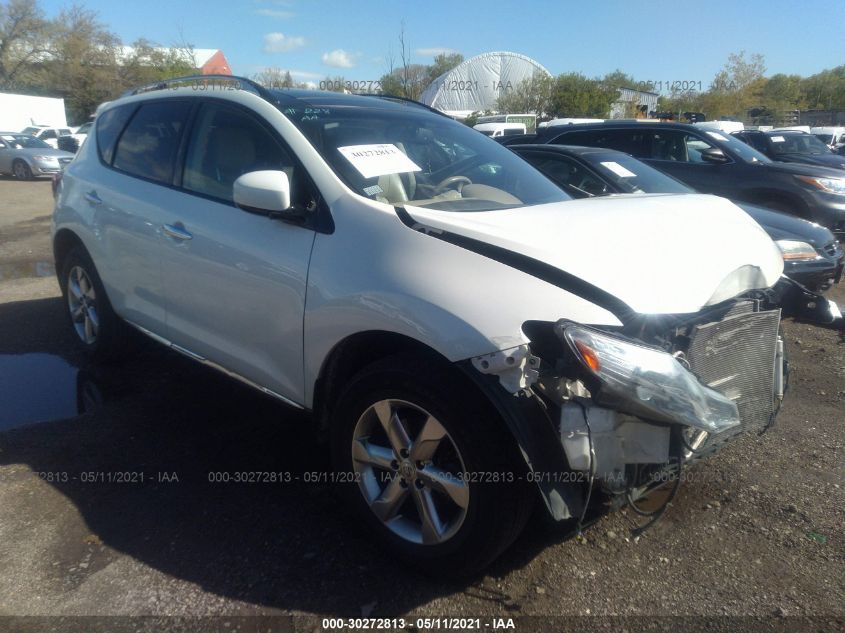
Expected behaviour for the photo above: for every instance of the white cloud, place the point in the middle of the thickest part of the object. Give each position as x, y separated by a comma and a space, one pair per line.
275, 13
340, 58
302, 74
434, 51
280, 43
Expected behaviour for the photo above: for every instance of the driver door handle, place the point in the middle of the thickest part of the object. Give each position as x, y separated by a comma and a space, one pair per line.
176, 231
92, 198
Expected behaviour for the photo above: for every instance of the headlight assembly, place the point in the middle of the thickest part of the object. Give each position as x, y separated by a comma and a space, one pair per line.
46, 159
794, 250
830, 185
647, 382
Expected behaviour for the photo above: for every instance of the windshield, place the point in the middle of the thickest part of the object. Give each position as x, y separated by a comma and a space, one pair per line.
23, 141
629, 175
411, 156
827, 139
30, 130
740, 148
796, 144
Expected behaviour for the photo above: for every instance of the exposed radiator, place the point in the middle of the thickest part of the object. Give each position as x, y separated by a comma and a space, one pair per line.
736, 356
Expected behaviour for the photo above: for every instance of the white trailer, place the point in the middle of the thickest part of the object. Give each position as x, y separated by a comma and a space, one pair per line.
20, 111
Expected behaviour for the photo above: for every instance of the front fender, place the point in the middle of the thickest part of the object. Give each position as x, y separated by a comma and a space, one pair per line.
528, 420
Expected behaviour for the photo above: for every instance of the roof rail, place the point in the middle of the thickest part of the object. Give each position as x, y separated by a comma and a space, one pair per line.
403, 100
242, 84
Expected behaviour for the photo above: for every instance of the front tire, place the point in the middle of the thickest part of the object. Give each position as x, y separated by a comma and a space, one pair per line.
427, 466
21, 170
102, 334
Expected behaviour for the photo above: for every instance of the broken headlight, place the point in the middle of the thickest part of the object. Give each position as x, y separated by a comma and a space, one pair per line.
647, 382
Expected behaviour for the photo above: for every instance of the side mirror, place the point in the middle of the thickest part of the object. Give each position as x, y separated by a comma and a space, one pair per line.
713, 155
266, 192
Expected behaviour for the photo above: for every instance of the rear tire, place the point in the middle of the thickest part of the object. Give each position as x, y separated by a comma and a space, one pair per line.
102, 334
21, 170
456, 497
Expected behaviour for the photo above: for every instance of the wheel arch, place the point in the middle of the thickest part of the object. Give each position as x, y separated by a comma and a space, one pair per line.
785, 201
63, 242
352, 354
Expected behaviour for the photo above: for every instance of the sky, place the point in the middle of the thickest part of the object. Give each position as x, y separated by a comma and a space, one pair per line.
653, 41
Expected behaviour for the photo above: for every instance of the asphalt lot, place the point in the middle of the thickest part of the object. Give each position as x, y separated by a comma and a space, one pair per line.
756, 531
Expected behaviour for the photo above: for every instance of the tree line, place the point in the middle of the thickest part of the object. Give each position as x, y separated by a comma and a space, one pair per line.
75, 57
740, 89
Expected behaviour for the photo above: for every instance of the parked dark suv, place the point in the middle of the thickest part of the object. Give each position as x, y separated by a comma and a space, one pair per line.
792, 146
711, 161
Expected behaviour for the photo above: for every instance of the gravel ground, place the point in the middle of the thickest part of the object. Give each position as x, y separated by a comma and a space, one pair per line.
755, 531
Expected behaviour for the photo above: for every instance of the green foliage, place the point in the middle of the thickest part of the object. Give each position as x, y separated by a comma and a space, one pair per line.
472, 119
574, 95
444, 62
147, 63
531, 95
23, 42
825, 90
406, 81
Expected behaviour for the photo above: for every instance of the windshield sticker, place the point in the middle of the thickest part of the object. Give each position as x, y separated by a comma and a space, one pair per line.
378, 160
373, 190
717, 136
618, 169
778, 139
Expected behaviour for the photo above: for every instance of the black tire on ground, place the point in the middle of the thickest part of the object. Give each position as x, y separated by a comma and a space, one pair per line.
112, 335
496, 511
21, 170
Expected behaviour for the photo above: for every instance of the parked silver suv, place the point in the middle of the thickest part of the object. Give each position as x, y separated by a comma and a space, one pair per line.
469, 338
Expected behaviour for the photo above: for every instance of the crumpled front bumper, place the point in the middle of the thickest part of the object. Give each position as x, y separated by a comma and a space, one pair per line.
578, 438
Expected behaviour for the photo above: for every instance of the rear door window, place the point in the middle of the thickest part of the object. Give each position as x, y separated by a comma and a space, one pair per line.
109, 126
148, 146
629, 141
677, 146
757, 140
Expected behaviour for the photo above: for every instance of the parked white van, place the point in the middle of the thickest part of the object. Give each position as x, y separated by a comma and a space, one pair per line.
495, 130
468, 338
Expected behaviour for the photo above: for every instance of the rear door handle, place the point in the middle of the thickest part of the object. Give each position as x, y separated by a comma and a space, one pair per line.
92, 198
176, 231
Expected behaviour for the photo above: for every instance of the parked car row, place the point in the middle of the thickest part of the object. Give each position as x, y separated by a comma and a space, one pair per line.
792, 146
712, 161
47, 134
811, 254
26, 157
468, 337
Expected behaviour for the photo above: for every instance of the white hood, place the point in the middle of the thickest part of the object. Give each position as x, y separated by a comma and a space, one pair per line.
660, 254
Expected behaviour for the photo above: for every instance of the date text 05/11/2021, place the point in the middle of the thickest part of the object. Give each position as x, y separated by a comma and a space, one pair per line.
419, 624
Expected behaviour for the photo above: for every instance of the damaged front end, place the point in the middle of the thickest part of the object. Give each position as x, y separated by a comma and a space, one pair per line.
621, 409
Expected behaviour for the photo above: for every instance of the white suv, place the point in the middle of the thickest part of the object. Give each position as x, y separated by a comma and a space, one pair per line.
468, 338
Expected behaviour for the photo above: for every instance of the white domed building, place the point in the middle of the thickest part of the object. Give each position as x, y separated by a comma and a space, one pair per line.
477, 83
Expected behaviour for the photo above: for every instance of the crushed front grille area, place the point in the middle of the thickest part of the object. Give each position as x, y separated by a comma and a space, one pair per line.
736, 357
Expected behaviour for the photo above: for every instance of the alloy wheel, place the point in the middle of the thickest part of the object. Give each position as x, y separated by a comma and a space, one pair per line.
410, 472
82, 303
